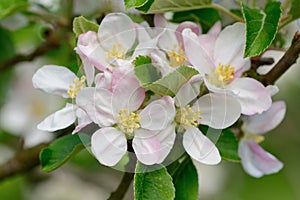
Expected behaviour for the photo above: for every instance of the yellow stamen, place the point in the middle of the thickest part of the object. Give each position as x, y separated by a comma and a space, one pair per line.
188, 117
128, 122
256, 138
117, 51
225, 73
77, 85
176, 55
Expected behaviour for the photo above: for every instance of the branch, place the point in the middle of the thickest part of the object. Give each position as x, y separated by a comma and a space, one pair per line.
22, 161
41, 50
123, 187
288, 59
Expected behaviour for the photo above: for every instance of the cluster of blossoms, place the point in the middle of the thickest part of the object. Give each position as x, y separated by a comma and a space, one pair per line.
112, 96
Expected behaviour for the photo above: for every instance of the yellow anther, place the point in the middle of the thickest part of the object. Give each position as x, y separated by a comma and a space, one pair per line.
77, 85
176, 55
255, 137
188, 117
224, 73
128, 122
117, 51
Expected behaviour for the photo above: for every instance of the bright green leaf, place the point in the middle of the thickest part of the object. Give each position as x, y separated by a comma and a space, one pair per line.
261, 27
82, 25
62, 149
9, 7
160, 6
207, 17
170, 84
186, 179
294, 12
152, 183
134, 3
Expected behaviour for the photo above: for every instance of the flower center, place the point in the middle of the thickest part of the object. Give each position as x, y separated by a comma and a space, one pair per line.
188, 117
225, 73
176, 55
117, 51
128, 122
256, 138
77, 85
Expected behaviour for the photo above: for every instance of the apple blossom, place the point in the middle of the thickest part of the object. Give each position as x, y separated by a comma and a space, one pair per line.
222, 68
255, 160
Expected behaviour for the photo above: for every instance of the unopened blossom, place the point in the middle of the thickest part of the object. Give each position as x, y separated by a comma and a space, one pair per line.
214, 110
255, 160
115, 38
59, 80
222, 68
115, 107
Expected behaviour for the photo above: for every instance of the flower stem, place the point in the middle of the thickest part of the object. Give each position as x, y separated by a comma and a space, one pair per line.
120, 192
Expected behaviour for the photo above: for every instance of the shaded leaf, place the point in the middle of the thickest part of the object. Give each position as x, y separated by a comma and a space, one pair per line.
82, 25
61, 150
152, 182
261, 27
9, 7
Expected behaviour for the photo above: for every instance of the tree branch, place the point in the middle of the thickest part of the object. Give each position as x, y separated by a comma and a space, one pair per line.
22, 161
289, 58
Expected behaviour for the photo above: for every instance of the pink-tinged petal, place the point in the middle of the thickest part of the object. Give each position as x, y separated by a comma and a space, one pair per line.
200, 148
89, 70
54, 80
266, 121
191, 25
117, 28
168, 40
218, 110
59, 120
160, 61
198, 56
256, 161
160, 21
152, 147
158, 114
127, 93
215, 29
253, 96
103, 80
109, 145
142, 31
82, 119
146, 47
97, 103
229, 47
90, 50
189, 91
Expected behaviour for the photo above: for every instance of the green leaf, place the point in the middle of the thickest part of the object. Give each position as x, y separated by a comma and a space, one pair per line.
9, 7
186, 179
145, 71
170, 84
62, 149
261, 27
225, 141
134, 3
294, 11
160, 6
82, 25
152, 183
207, 17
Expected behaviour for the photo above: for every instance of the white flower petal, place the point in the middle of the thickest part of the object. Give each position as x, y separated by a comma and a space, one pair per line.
108, 145
256, 161
200, 148
83, 120
276, 55
59, 120
117, 28
253, 96
218, 110
54, 80
266, 121
158, 114
229, 47
152, 147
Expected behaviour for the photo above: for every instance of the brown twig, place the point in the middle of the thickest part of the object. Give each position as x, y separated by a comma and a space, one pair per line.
288, 59
120, 192
23, 161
